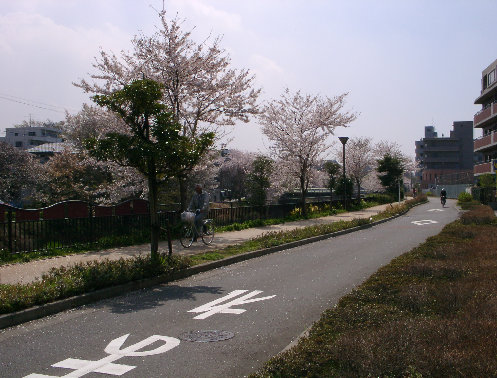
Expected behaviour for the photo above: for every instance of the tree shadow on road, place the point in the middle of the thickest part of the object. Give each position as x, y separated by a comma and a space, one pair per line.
154, 297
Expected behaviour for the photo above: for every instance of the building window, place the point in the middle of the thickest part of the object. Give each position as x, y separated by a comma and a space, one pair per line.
31, 133
18, 144
491, 78
16, 134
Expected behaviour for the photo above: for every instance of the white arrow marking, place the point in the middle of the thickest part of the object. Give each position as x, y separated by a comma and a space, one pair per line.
106, 365
423, 222
435, 210
212, 308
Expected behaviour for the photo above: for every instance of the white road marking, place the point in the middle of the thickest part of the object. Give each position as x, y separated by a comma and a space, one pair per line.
436, 210
106, 365
214, 307
424, 222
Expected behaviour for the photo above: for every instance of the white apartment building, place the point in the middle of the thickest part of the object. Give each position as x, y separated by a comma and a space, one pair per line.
28, 137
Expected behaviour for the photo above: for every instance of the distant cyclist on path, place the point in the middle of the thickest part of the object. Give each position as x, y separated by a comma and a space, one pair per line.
199, 204
443, 196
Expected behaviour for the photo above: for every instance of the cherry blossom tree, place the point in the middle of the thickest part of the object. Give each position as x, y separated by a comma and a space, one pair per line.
359, 160
233, 172
201, 90
91, 122
94, 122
73, 174
19, 174
298, 126
384, 147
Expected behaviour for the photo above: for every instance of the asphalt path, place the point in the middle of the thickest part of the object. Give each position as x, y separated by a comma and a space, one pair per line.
260, 306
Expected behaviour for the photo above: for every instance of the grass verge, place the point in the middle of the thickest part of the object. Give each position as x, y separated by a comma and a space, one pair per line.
64, 282
430, 312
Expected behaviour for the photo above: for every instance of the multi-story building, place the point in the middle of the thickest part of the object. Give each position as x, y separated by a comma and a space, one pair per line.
439, 157
28, 137
486, 120
420, 152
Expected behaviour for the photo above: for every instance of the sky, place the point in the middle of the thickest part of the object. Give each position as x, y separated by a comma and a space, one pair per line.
405, 64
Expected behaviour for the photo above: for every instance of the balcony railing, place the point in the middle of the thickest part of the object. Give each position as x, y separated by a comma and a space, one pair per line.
485, 114
485, 141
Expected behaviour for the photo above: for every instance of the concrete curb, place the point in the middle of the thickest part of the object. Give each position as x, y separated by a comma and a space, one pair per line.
33, 313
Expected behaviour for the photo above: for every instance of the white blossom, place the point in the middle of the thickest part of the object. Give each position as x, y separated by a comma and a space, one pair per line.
298, 126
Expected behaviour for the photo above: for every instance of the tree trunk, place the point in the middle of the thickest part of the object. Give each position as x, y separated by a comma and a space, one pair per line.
332, 185
154, 218
358, 190
182, 192
303, 195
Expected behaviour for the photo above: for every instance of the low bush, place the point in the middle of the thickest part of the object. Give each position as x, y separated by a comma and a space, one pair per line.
464, 197
380, 198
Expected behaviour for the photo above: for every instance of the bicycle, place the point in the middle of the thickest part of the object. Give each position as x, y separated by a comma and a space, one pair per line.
187, 235
443, 200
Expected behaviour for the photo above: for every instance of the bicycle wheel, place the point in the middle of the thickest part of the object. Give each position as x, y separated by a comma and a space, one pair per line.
208, 232
186, 238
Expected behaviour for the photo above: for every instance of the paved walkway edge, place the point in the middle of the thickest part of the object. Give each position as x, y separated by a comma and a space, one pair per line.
33, 313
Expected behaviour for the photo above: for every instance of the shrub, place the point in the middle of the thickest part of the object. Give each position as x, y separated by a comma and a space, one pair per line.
380, 198
464, 197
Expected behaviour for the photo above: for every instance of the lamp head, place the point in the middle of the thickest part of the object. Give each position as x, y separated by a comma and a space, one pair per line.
343, 140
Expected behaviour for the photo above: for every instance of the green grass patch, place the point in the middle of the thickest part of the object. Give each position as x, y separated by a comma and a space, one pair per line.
430, 312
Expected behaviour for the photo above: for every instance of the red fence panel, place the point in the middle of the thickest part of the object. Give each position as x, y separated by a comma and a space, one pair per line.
3, 212
57, 211
77, 209
140, 206
103, 211
124, 208
28, 214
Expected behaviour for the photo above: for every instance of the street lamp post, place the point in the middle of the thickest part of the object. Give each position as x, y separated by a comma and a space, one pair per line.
344, 140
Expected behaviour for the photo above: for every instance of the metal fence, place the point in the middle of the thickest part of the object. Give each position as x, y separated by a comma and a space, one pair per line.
453, 191
487, 196
46, 234
20, 233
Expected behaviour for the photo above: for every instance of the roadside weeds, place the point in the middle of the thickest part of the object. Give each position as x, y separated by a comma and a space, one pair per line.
430, 312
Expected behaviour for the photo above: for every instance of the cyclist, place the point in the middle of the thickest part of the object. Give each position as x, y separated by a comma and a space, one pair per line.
200, 205
443, 196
